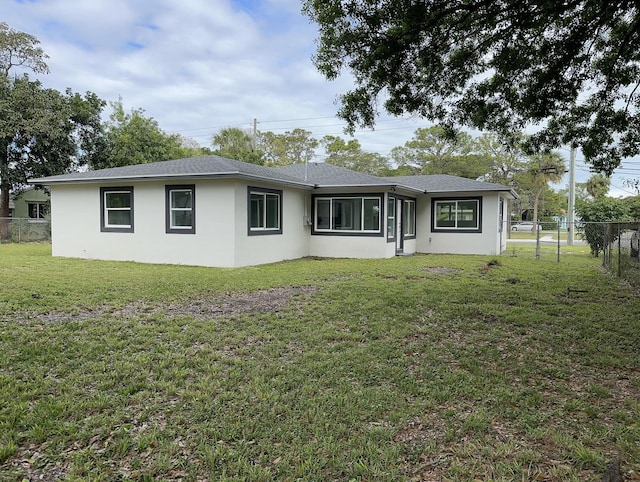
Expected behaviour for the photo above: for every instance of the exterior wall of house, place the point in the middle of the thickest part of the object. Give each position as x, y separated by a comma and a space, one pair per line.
293, 243
221, 236
76, 226
327, 246
505, 226
333, 245
489, 241
22, 200
410, 246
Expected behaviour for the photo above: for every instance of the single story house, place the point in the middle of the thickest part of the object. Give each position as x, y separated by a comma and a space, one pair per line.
213, 211
32, 204
29, 215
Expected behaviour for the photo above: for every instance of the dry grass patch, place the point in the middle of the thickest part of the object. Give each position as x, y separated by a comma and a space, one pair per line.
209, 306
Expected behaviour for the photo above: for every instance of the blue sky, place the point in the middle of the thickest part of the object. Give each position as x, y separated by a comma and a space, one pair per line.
197, 66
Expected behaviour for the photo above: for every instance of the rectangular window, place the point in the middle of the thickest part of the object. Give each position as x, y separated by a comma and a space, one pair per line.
38, 210
391, 218
456, 215
347, 214
409, 218
265, 211
181, 209
116, 209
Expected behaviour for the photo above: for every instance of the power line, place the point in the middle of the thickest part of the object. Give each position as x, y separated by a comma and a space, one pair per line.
290, 120
622, 189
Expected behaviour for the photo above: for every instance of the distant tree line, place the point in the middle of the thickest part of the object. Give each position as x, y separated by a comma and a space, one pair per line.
44, 132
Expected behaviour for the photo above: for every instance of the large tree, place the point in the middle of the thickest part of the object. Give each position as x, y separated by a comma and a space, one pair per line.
431, 150
238, 144
505, 161
20, 50
598, 185
133, 138
349, 154
293, 147
572, 67
43, 132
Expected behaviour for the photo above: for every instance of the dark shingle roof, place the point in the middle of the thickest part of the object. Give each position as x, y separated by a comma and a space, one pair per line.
435, 183
321, 175
205, 166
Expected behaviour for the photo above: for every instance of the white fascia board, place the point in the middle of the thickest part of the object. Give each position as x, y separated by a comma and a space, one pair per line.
370, 186
160, 177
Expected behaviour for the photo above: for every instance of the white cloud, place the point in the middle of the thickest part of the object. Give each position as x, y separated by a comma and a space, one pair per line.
194, 65
198, 65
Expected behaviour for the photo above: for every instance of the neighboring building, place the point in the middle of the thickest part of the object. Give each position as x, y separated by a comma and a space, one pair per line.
32, 204
212, 211
561, 219
29, 213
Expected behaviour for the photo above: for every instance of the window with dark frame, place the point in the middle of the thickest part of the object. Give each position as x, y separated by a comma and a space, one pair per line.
38, 210
457, 215
181, 209
348, 214
116, 209
391, 218
265, 211
409, 218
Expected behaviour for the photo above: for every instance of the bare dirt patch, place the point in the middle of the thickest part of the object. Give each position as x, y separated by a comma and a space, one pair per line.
221, 304
441, 270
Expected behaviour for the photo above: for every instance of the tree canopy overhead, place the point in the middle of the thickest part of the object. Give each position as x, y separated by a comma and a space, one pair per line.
571, 67
20, 49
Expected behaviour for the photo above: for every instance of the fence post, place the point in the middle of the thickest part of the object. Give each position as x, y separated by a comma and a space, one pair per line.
535, 226
604, 244
558, 242
619, 252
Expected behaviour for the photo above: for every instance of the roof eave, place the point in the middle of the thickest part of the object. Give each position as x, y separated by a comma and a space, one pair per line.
367, 186
443, 191
164, 177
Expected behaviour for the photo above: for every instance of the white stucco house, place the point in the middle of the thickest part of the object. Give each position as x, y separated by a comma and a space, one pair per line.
213, 211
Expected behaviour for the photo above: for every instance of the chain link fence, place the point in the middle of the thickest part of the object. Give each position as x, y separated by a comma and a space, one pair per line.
615, 243
24, 230
619, 245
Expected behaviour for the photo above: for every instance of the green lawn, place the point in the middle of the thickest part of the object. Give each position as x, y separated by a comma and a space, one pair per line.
412, 368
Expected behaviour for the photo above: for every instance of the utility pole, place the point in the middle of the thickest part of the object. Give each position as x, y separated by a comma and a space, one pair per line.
255, 133
571, 225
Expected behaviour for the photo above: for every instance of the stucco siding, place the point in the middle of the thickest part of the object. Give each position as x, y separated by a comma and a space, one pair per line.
76, 226
292, 243
327, 246
486, 242
222, 237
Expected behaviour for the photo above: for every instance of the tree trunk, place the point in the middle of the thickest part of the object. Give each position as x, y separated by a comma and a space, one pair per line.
535, 210
4, 199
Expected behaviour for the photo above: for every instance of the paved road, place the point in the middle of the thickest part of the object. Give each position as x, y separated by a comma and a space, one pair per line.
546, 239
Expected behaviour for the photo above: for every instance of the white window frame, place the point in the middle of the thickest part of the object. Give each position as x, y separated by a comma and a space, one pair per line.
391, 218
170, 209
457, 215
105, 226
264, 193
350, 221
409, 218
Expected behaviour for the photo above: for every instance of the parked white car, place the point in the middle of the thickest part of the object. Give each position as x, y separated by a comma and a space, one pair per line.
524, 226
